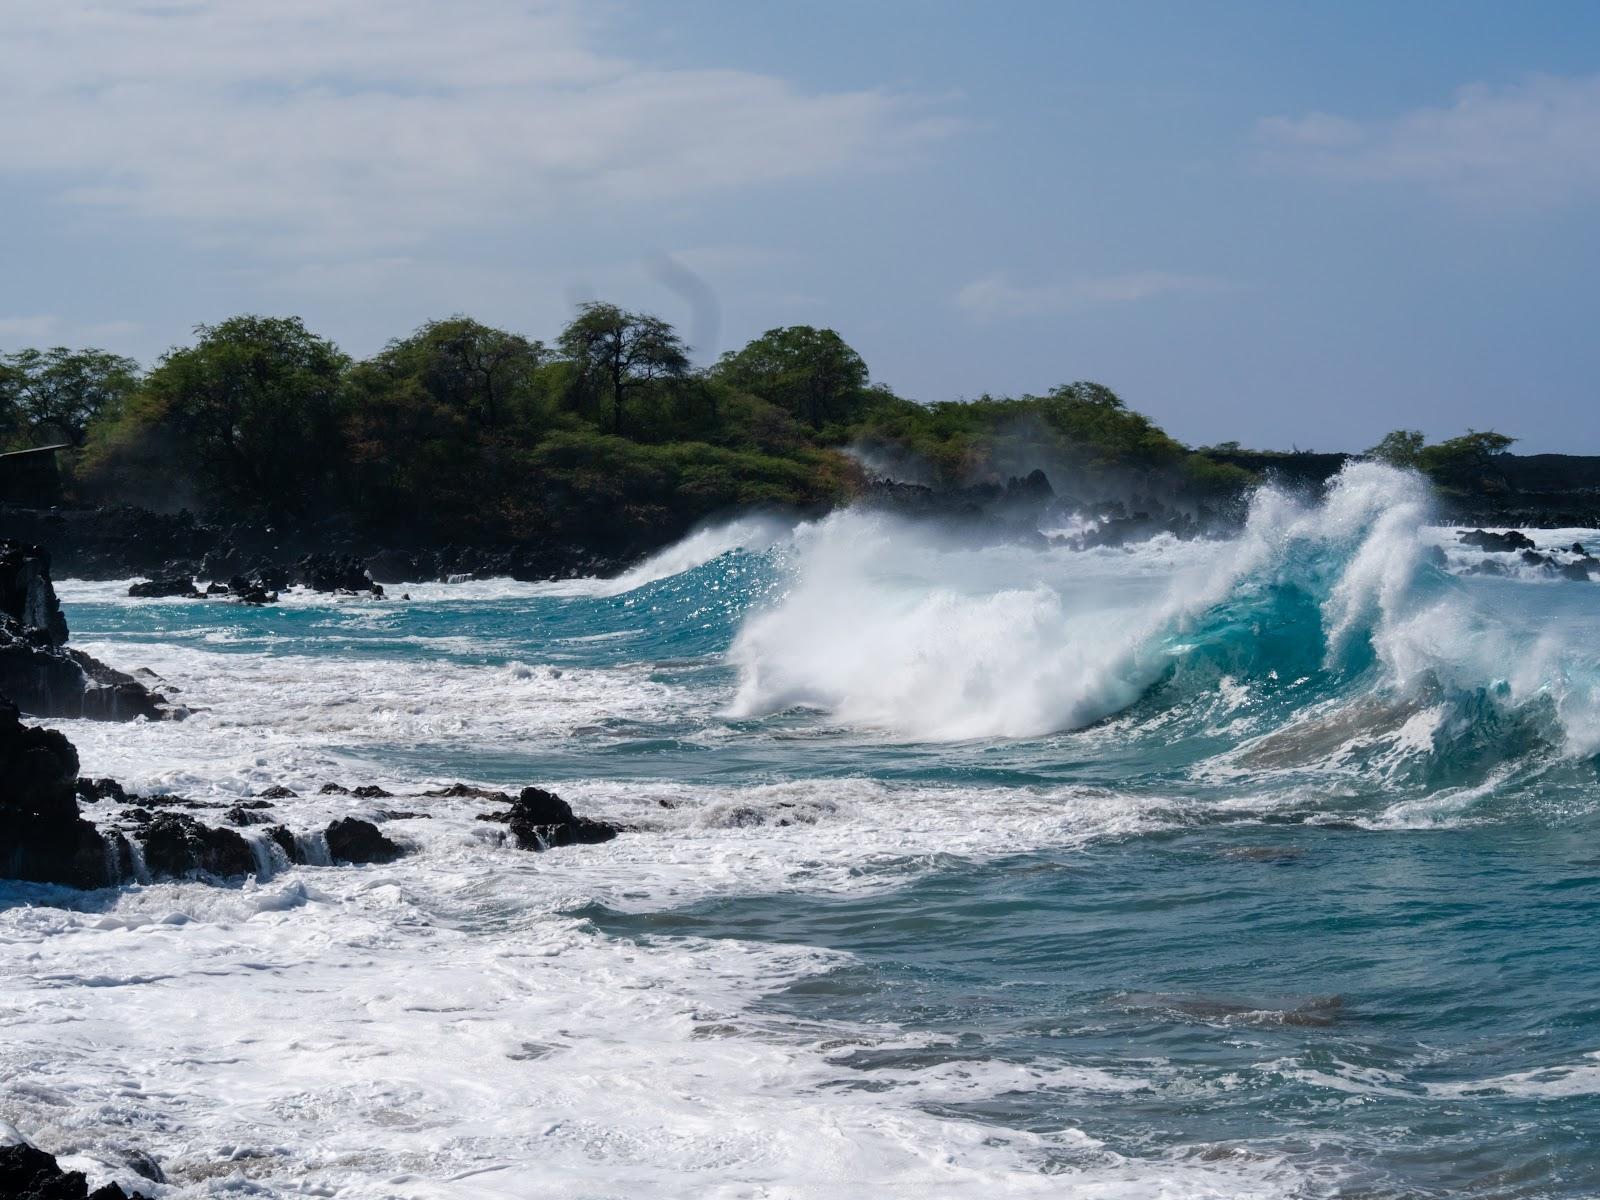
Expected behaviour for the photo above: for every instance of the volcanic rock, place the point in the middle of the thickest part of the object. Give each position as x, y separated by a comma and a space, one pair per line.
541, 820
353, 840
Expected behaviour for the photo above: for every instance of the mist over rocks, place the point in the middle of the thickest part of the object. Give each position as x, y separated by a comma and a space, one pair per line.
1572, 562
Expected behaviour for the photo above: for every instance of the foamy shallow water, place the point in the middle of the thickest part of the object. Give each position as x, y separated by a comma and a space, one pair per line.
1278, 915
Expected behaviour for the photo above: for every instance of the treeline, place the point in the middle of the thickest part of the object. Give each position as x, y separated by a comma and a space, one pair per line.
464, 431
606, 435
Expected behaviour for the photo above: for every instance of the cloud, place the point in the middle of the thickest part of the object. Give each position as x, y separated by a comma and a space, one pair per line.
377, 123
1532, 144
996, 296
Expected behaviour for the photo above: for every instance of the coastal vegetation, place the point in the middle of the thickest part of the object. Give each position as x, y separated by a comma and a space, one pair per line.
605, 433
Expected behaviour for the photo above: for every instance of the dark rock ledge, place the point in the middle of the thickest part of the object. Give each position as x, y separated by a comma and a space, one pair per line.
38, 672
27, 1173
45, 838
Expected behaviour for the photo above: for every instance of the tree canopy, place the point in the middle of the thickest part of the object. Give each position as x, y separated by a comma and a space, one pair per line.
620, 355
461, 429
810, 373
53, 395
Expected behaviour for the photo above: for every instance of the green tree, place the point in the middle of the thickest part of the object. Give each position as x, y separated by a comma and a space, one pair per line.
1399, 448
1467, 461
622, 354
472, 368
12, 424
810, 372
54, 395
251, 410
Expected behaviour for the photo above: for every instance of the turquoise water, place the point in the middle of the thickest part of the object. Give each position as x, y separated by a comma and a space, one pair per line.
1279, 855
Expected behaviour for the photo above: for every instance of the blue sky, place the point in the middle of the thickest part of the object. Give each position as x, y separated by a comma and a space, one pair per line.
1285, 224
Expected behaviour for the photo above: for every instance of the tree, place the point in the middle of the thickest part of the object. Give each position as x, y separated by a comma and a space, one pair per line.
1399, 448
464, 365
810, 372
53, 395
1467, 461
252, 411
622, 353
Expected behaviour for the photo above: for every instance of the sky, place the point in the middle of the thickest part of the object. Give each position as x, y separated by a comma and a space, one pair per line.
1286, 224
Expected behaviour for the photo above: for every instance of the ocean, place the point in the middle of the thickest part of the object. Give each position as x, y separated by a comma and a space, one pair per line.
1257, 867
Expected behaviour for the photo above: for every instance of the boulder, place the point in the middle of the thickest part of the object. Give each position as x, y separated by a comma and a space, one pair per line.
178, 845
45, 839
166, 585
27, 1173
334, 573
1511, 539
541, 820
353, 840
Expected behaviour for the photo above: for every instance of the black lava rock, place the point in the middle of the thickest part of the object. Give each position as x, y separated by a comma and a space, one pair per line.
178, 845
334, 573
353, 840
27, 1173
166, 585
541, 820
38, 673
45, 840
1511, 539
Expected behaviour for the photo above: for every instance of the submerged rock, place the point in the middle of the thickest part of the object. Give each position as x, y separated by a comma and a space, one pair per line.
541, 820
353, 840
467, 791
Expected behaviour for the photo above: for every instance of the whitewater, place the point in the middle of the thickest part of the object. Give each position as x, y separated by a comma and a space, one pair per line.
1264, 866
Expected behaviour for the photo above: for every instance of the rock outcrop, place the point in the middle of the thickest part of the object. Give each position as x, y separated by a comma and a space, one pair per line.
43, 839
177, 845
27, 1173
177, 584
39, 673
353, 840
541, 820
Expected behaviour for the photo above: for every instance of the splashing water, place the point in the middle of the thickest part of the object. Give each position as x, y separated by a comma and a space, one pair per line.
1250, 867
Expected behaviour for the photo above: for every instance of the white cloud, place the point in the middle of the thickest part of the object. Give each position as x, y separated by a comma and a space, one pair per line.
1534, 144
996, 296
375, 123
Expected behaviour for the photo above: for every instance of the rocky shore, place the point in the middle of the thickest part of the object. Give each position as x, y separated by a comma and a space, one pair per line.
39, 672
123, 541
138, 838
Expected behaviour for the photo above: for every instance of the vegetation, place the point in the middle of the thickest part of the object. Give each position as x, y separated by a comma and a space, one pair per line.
52, 396
1465, 463
607, 435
